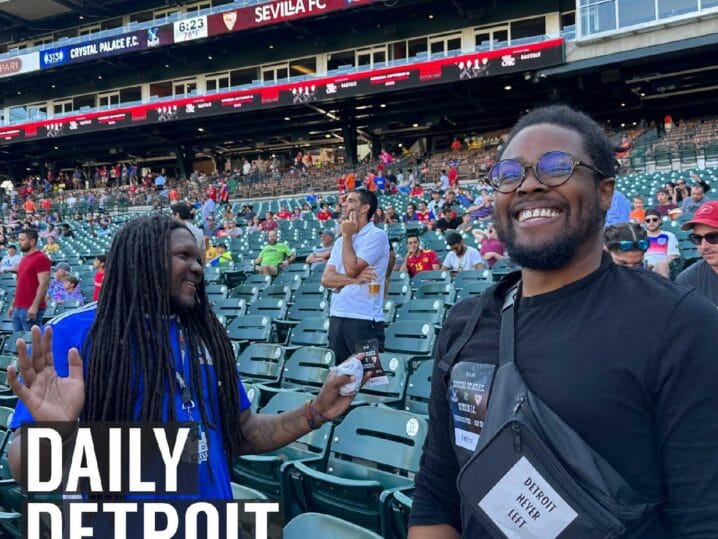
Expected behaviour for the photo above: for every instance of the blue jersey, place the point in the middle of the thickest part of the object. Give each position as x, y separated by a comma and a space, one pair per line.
71, 330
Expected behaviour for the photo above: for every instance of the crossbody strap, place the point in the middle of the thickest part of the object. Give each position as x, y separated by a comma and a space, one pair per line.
448, 359
507, 338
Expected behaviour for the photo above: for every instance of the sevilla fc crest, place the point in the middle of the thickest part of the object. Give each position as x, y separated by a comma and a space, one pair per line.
229, 19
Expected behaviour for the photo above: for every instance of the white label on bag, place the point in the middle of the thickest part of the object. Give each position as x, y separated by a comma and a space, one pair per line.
466, 439
524, 506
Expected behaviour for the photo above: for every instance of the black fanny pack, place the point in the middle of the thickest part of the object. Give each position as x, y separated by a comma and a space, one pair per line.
531, 475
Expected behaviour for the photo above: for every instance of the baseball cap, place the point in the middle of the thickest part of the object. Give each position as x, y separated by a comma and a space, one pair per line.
706, 214
63, 266
328, 232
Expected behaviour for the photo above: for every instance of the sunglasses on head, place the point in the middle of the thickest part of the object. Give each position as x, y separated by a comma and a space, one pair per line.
652, 219
627, 245
552, 169
697, 239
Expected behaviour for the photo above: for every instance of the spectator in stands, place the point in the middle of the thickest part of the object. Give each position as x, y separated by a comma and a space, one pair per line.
464, 197
379, 217
324, 214
208, 208
424, 215
484, 210
391, 216
663, 248
51, 247
103, 230
443, 183
456, 145
664, 205
453, 177
417, 191
703, 275
657, 393
255, 225
448, 219
461, 256
57, 286
10, 261
49, 231
627, 244
269, 223
418, 259
620, 210
248, 214
697, 198
491, 248
296, 214
638, 214
410, 214
33, 279
209, 228
437, 202
357, 267
210, 251
274, 255
230, 230
680, 191
223, 257
320, 255
174, 310
185, 214
284, 212
71, 290
99, 265
466, 224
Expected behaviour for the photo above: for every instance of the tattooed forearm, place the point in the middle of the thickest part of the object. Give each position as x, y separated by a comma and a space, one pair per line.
263, 433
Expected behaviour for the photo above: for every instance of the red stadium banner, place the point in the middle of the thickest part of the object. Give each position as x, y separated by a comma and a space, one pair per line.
452, 69
275, 12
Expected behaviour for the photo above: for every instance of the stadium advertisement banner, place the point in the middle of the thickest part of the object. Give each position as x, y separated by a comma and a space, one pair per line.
111, 46
25, 63
275, 12
446, 70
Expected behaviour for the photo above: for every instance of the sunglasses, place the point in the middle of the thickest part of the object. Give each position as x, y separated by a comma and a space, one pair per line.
652, 220
697, 239
627, 245
552, 169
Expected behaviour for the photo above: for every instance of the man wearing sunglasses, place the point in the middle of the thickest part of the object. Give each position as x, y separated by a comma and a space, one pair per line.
703, 275
615, 353
626, 243
663, 248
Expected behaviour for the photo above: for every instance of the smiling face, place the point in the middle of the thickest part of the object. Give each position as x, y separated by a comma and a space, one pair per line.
186, 269
543, 228
708, 251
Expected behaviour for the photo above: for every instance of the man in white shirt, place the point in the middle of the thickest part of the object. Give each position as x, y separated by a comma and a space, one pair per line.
10, 260
663, 245
461, 257
357, 267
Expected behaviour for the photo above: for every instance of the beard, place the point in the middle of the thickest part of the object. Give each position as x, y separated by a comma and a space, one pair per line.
558, 251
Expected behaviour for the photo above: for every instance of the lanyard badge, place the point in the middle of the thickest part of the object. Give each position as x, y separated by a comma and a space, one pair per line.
196, 450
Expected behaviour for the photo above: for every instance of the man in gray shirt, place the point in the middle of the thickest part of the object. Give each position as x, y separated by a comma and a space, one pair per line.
703, 275
320, 255
697, 198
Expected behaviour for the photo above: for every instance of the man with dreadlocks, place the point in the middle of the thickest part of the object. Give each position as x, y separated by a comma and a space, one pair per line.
127, 357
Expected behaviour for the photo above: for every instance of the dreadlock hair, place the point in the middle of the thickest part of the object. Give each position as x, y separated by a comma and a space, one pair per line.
129, 345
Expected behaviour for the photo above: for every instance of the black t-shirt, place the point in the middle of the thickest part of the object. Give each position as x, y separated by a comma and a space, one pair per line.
629, 360
702, 277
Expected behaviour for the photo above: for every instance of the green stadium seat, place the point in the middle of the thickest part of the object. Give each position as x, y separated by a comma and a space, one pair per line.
216, 290
276, 308
396, 508
424, 277
418, 389
310, 332
391, 394
277, 291
410, 337
373, 449
321, 526
230, 308
311, 290
473, 288
249, 293
389, 311
258, 280
470, 276
444, 291
425, 310
254, 328
263, 472
292, 280
399, 293
261, 363
307, 369
9, 346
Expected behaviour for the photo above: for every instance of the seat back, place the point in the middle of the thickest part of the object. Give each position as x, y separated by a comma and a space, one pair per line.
276, 308
395, 371
261, 362
251, 328
258, 280
229, 307
307, 368
399, 293
292, 280
310, 290
389, 439
473, 288
418, 389
426, 310
470, 276
444, 291
310, 332
315, 441
248, 293
410, 337
308, 308
438, 276
277, 291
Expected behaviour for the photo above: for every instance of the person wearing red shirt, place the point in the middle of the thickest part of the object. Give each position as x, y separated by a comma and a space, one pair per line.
46, 204
418, 259
417, 191
33, 279
342, 183
284, 213
324, 214
29, 206
269, 223
423, 214
99, 265
212, 192
456, 145
453, 177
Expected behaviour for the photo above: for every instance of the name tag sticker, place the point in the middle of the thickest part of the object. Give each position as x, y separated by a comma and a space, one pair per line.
523, 505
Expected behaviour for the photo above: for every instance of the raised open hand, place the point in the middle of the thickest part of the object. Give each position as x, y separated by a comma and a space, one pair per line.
48, 397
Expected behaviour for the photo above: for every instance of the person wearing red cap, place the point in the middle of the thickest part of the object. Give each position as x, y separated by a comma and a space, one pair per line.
703, 275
